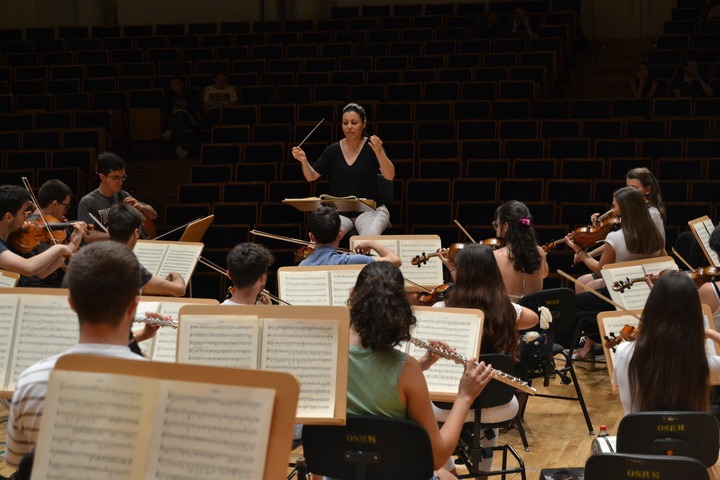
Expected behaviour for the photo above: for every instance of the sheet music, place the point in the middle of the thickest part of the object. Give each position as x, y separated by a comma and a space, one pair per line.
408, 247
341, 282
614, 324
147, 347
103, 412
8, 312
219, 340
8, 279
180, 258
211, 431
307, 349
146, 428
703, 228
304, 287
150, 255
38, 315
461, 331
634, 297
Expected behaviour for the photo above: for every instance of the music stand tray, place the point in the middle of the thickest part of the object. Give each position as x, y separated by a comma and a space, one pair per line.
343, 204
195, 231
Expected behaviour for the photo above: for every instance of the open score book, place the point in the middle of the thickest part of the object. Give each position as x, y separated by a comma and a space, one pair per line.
126, 420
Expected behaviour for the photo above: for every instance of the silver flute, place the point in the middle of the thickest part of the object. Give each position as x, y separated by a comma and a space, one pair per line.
155, 321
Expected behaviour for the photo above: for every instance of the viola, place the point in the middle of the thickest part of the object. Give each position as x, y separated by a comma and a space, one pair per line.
627, 334
429, 298
33, 233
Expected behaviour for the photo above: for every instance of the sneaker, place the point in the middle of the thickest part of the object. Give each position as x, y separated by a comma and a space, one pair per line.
181, 153
166, 136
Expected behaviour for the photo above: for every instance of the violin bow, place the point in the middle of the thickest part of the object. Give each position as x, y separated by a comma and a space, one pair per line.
27, 186
104, 229
597, 294
464, 231
176, 229
682, 259
423, 288
311, 132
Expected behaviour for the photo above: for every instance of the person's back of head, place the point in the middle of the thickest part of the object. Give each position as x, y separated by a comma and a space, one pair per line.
714, 241
379, 309
670, 340
103, 279
52, 190
123, 221
12, 198
324, 224
247, 262
108, 161
519, 236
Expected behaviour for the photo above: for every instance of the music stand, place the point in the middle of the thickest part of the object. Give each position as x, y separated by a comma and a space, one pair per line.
195, 231
349, 204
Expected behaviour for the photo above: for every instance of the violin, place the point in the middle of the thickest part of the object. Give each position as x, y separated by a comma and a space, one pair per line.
429, 298
303, 252
590, 235
627, 334
35, 232
699, 276
451, 252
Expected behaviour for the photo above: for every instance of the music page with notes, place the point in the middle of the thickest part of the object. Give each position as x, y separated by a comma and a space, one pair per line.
624, 280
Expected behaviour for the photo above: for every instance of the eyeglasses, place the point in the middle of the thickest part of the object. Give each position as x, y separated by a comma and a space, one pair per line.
116, 177
495, 224
66, 205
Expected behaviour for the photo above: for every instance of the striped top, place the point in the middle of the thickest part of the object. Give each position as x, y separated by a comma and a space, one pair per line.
29, 398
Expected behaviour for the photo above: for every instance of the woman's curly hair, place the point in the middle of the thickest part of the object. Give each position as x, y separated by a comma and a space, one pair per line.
379, 309
520, 236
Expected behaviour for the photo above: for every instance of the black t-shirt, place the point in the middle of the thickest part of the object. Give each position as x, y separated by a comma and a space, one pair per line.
359, 179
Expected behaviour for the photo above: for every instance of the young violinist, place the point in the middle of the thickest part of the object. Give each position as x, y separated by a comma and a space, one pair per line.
644, 181
111, 172
479, 284
666, 368
54, 199
247, 267
326, 232
521, 261
710, 291
638, 239
15, 208
387, 382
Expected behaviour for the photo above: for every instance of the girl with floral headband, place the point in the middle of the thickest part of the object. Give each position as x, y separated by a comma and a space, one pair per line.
521, 261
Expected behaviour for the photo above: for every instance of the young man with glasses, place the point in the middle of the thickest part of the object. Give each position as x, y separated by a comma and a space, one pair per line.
15, 208
54, 200
111, 172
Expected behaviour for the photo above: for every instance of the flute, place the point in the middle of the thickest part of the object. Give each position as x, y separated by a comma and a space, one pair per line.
155, 321
503, 377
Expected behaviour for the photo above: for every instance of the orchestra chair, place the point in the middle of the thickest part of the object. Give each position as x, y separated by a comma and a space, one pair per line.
614, 466
561, 303
670, 433
369, 447
469, 450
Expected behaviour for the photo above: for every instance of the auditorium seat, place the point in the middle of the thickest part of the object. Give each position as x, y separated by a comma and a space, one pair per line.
534, 168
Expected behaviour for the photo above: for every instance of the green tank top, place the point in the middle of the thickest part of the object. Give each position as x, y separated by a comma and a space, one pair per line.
372, 382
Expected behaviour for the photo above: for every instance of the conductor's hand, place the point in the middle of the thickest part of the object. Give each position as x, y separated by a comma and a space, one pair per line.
299, 154
429, 358
375, 144
474, 379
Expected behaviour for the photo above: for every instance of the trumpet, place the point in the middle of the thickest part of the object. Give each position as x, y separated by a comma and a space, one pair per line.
155, 321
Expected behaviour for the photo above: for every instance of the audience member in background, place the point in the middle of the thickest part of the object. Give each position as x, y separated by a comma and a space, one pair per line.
216, 96
247, 267
490, 27
181, 109
521, 23
689, 83
643, 85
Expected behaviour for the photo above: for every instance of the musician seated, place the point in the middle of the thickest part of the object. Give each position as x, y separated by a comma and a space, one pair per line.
124, 224
15, 208
247, 266
103, 281
54, 199
326, 232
